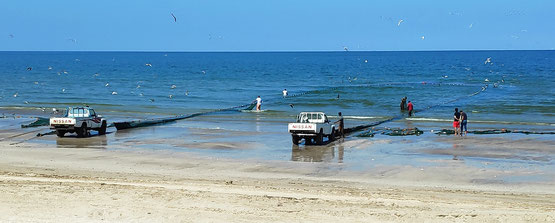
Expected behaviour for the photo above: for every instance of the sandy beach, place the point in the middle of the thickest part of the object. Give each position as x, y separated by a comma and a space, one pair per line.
44, 184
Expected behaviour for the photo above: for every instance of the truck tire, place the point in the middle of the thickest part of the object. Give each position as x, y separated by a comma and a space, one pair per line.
60, 133
295, 139
320, 137
331, 137
102, 129
82, 132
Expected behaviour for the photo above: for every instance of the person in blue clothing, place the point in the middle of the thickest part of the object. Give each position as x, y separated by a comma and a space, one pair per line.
463, 123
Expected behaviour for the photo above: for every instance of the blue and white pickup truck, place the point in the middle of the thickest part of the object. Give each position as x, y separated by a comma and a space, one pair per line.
79, 120
311, 126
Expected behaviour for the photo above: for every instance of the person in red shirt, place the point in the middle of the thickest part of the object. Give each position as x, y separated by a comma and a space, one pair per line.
410, 108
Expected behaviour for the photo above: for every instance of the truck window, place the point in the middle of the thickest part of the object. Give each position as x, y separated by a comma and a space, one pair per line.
319, 116
92, 112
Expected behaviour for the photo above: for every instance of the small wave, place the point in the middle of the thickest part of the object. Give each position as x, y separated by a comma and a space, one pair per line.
356, 117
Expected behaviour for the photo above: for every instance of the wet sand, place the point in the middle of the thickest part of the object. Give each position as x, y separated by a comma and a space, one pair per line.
90, 180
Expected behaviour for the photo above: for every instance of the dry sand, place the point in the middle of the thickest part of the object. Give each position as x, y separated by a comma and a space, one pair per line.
89, 185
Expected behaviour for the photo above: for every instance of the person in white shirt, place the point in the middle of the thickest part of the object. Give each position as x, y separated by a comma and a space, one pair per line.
258, 103
284, 92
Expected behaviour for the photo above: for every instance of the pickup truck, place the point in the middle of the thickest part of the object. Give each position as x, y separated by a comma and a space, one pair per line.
79, 120
311, 126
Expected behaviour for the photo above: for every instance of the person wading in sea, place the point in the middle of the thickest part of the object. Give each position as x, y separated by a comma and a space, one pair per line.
403, 103
456, 121
258, 103
410, 108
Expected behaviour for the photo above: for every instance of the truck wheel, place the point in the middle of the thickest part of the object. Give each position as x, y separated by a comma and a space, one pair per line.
332, 135
102, 129
82, 132
320, 137
60, 133
295, 139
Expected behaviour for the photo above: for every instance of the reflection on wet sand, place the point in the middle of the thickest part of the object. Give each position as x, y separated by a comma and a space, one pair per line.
317, 153
94, 142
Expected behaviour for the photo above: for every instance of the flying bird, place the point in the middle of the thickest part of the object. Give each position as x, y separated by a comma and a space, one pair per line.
11, 36
174, 18
488, 60
148, 64
422, 37
291, 105
399, 23
470, 26
346, 49
114, 93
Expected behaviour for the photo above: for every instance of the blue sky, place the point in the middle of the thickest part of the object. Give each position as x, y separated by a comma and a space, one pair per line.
276, 25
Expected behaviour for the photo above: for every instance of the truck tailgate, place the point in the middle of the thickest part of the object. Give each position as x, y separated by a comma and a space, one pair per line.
299, 127
62, 121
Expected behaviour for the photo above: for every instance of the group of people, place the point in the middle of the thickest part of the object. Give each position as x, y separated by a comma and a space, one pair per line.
459, 122
407, 107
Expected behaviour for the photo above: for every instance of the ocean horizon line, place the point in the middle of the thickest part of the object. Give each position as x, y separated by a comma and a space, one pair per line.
274, 51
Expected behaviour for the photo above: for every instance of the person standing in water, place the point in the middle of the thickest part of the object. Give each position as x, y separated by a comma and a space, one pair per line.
284, 92
410, 108
341, 124
404, 103
258, 103
463, 123
457, 121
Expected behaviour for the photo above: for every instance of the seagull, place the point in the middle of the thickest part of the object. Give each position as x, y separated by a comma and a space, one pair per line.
486, 80
63, 90
203, 72
148, 64
36, 82
29, 68
365, 61
171, 96
186, 93
15, 95
151, 100
138, 86
399, 23
96, 74
291, 105
174, 19
346, 49
173, 86
26, 102
488, 60
49, 68
114, 93
422, 37
107, 84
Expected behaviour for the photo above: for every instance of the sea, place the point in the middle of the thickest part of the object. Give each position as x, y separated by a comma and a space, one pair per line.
497, 89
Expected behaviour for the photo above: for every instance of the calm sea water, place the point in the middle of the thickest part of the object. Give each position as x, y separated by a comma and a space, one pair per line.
369, 84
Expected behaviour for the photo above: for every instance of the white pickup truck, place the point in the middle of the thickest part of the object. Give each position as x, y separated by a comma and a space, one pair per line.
311, 126
79, 120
